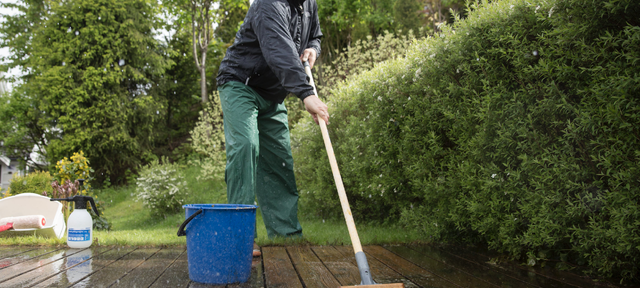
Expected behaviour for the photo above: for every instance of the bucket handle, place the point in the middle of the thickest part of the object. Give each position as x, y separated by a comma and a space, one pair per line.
181, 231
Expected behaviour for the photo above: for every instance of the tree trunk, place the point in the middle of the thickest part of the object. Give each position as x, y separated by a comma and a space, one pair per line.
203, 81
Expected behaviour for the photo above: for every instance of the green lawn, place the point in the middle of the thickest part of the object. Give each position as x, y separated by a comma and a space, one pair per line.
134, 225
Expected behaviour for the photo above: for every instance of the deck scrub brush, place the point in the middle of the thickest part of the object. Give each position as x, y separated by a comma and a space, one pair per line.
361, 258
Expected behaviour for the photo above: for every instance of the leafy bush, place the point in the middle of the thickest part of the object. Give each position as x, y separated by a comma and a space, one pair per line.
361, 57
161, 187
73, 169
207, 139
518, 127
38, 182
354, 60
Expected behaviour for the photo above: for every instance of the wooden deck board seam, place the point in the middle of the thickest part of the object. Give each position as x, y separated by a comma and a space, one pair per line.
134, 268
537, 273
498, 269
295, 268
27, 271
405, 276
517, 266
166, 268
25, 260
105, 266
323, 264
65, 269
452, 266
14, 255
264, 272
351, 256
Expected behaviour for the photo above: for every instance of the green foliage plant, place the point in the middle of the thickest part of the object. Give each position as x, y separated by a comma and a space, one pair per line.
347, 66
407, 14
21, 125
90, 69
178, 92
207, 139
18, 118
38, 182
72, 169
362, 56
516, 127
161, 187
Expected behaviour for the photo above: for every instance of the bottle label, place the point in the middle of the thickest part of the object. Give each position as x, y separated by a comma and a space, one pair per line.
79, 234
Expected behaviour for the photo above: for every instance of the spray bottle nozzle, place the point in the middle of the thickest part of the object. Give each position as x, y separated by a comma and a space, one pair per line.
81, 202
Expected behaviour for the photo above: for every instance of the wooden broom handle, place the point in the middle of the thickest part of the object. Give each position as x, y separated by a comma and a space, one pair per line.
346, 210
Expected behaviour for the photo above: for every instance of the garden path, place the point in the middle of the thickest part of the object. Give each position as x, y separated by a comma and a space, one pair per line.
291, 266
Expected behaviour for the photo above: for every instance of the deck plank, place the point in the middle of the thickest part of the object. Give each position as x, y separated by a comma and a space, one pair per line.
257, 277
510, 270
293, 266
279, 271
75, 265
562, 276
409, 270
202, 285
380, 272
340, 266
311, 270
30, 255
456, 270
25, 262
146, 273
176, 275
117, 269
45, 268
100, 262
11, 251
255, 280
97, 263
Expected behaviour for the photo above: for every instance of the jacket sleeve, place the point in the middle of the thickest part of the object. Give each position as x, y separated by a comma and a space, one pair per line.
316, 34
277, 46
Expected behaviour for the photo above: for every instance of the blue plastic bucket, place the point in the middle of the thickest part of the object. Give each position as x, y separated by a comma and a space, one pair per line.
219, 242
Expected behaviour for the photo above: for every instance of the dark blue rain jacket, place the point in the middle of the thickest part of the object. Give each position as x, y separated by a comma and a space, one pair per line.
266, 52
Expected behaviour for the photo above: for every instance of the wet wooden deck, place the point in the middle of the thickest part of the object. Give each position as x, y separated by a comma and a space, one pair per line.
294, 266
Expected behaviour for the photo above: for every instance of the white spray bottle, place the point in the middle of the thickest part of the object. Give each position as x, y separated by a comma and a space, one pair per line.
80, 224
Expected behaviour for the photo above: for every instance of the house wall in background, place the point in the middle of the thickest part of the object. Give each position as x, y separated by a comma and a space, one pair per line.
6, 174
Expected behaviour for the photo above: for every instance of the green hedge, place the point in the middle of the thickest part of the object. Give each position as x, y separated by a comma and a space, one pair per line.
36, 182
518, 127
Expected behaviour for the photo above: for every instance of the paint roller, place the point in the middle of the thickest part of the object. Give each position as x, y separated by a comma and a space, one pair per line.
22, 222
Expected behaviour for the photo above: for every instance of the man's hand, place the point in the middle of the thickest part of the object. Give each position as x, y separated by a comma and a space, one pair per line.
310, 55
316, 108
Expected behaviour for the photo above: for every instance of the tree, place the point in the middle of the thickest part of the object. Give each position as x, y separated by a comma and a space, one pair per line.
230, 20
407, 15
17, 32
200, 16
179, 94
201, 32
93, 66
20, 128
21, 125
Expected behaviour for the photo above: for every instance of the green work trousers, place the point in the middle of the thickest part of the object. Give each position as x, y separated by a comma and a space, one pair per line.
259, 161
